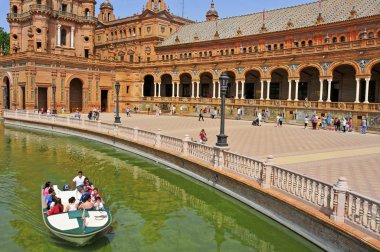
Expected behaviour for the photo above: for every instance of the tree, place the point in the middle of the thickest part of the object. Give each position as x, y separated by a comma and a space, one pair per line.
4, 41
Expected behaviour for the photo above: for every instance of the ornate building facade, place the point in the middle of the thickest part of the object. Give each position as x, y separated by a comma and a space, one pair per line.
321, 57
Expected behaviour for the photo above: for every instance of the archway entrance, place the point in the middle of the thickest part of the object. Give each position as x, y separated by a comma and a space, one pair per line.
252, 84
308, 86
279, 86
149, 85
374, 85
185, 82
76, 95
231, 88
104, 100
7, 99
206, 85
42, 98
343, 86
167, 86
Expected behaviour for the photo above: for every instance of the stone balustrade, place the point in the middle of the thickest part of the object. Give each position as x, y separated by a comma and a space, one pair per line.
336, 201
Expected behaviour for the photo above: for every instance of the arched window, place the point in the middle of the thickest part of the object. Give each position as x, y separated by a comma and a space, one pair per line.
122, 56
109, 17
303, 43
275, 47
87, 13
378, 35
210, 53
39, 1
342, 39
269, 47
63, 37
362, 35
14, 9
111, 35
371, 35
185, 55
103, 16
335, 39
200, 54
310, 43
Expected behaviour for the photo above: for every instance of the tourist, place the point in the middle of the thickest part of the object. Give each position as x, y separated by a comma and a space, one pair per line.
72, 206
57, 208
49, 198
277, 120
201, 115
63, 111
202, 136
349, 123
260, 118
88, 185
87, 204
280, 120
98, 205
79, 181
338, 123
314, 122
42, 111
239, 113
95, 193
364, 126
84, 192
128, 112
48, 185
344, 124
89, 115
48, 112
157, 112
306, 121
77, 114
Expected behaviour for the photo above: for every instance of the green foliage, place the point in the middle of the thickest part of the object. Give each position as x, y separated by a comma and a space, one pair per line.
4, 40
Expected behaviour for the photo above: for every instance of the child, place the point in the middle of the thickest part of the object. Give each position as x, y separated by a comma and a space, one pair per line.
98, 205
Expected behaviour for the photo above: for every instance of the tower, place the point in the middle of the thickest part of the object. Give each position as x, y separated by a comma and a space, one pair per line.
212, 14
106, 12
15, 10
156, 5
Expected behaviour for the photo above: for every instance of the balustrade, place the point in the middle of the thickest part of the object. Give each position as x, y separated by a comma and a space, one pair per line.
146, 137
243, 165
201, 152
172, 144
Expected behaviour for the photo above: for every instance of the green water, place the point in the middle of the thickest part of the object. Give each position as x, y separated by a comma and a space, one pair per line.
154, 208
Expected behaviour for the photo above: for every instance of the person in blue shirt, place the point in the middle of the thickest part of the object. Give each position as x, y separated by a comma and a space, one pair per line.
49, 198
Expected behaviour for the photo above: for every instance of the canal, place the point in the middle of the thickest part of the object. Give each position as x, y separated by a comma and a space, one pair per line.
154, 208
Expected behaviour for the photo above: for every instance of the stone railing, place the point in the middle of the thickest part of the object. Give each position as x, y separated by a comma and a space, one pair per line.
335, 201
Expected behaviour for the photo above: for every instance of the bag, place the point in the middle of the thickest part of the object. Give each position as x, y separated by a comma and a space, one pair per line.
66, 187
204, 139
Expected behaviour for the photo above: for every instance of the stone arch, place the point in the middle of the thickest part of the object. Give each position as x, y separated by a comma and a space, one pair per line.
374, 84
279, 88
234, 71
309, 83
244, 73
273, 69
343, 86
251, 83
206, 85
75, 85
208, 72
6, 86
337, 64
304, 66
149, 85
232, 83
187, 72
370, 66
166, 80
185, 82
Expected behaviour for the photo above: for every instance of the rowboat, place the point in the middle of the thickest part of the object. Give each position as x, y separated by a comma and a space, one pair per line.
78, 227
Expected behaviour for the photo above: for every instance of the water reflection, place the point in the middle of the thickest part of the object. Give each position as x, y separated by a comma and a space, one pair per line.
154, 209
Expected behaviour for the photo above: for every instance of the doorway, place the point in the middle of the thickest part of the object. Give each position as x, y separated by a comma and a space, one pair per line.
104, 100
42, 99
76, 95
23, 97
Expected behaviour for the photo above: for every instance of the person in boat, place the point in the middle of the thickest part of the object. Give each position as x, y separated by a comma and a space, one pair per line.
48, 185
87, 204
89, 185
79, 181
98, 205
72, 206
57, 208
84, 194
49, 198
95, 193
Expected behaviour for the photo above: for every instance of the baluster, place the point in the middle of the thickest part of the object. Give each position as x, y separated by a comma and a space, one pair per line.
323, 188
279, 179
329, 198
369, 215
316, 194
299, 182
310, 191
377, 226
304, 187
361, 212
284, 179
290, 181
335, 203
294, 184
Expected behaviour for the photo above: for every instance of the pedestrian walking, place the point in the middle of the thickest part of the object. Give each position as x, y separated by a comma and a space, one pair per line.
200, 115
306, 121
202, 137
239, 113
364, 126
128, 111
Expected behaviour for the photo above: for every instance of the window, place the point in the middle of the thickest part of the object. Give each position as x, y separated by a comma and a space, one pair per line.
121, 56
269, 47
275, 47
87, 13
303, 43
86, 39
167, 57
281, 46
232, 51
210, 53
250, 49
221, 52
310, 42
39, 1
15, 36
148, 59
148, 29
127, 89
86, 53
362, 36
140, 59
256, 49
14, 9
378, 35
227, 52
296, 43
335, 39
371, 35
99, 38
131, 58
103, 16
205, 53
39, 45
189, 55
245, 50
63, 37
181, 56
185, 55
109, 17
171, 56
163, 57
140, 31
342, 39
200, 54
38, 30
64, 7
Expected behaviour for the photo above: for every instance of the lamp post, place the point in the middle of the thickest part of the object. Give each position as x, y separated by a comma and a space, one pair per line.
54, 87
117, 117
35, 99
222, 138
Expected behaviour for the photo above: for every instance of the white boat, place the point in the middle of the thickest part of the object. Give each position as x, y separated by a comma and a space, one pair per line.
78, 227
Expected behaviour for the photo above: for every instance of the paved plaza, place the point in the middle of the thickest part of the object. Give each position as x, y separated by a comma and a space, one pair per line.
321, 154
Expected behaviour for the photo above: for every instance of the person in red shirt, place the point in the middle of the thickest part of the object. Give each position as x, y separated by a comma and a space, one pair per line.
203, 136
58, 207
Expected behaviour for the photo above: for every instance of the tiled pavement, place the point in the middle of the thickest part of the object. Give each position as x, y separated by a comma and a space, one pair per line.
325, 155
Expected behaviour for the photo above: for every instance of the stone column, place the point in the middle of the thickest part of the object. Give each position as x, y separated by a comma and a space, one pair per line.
213, 89
329, 90
159, 89
178, 89
242, 90
290, 90
339, 202
237, 90
192, 90
357, 90
59, 35
198, 84
262, 90
320, 90
173, 89
142, 89
219, 91
296, 93
268, 90
155, 89
367, 80
72, 37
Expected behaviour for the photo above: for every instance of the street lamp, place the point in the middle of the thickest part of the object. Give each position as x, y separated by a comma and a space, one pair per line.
54, 87
117, 117
222, 138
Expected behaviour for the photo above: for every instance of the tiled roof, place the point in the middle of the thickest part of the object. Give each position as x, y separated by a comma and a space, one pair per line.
276, 20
